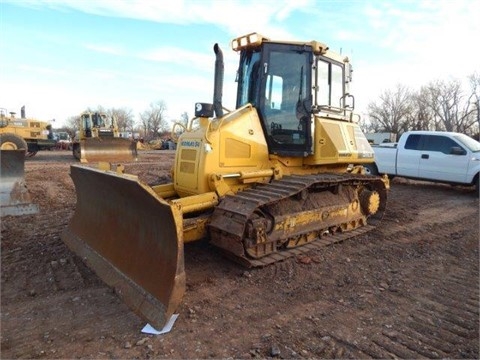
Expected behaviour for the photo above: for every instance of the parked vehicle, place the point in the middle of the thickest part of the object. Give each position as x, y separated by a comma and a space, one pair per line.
64, 141
19, 137
25, 133
438, 156
100, 140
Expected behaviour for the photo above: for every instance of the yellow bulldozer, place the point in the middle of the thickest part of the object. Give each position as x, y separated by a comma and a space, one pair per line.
98, 139
280, 175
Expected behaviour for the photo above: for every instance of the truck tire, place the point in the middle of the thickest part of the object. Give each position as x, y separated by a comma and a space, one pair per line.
371, 169
477, 186
9, 141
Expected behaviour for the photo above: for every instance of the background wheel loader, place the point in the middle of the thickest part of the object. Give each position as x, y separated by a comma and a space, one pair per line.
279, 175
19, 137
16, 132
98, 139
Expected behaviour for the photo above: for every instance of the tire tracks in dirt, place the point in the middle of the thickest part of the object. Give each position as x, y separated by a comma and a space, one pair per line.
438, 314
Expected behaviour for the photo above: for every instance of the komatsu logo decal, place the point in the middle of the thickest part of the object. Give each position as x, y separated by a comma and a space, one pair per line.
190, 143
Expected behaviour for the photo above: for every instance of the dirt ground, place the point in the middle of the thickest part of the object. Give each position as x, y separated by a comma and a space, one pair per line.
408, 289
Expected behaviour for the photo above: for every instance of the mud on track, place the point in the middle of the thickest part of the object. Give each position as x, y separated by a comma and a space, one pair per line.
409, 289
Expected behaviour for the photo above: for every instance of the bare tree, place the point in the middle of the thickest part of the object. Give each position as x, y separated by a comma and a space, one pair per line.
153, 120
368, 126
184, 119
421, 117
473, 103
72, 125
446, 101
124, 118
145, 125
439, 105
99, 109
392, 112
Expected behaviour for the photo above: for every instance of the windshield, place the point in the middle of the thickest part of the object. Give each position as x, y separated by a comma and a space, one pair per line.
276, 79
472, 144
87, 122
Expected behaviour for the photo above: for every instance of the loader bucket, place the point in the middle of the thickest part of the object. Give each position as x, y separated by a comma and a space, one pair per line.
14, 196
131, 238
111, 149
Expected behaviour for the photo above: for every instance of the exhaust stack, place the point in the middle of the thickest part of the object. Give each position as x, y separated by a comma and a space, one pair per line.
218, 82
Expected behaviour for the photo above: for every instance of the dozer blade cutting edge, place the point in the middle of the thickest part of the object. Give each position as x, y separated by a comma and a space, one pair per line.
131, 238
112, 149
14, 196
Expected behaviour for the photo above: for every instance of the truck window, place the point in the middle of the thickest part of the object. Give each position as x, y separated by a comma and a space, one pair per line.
438, 143
468, 142
413, 142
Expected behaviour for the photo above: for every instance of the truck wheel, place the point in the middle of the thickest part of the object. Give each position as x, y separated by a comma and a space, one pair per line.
371, 169
10, 141
477, 186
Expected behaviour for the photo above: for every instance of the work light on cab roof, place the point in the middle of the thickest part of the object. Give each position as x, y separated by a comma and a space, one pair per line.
250, 40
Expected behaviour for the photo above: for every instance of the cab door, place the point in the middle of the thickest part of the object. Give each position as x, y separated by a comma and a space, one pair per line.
408, 158
284, 98
442, 158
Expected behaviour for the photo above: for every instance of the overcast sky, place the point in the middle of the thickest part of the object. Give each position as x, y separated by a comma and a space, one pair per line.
60, 57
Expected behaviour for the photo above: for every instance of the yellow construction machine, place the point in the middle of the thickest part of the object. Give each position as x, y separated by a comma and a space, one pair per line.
98, 139
16, 133
279, 175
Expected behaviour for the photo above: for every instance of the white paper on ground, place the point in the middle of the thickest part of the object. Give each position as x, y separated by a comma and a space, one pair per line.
149, 329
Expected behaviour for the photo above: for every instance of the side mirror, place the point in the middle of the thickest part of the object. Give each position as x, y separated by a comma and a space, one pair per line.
457, 150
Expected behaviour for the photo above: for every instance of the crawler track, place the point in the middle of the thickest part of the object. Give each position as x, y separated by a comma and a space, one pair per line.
258, 207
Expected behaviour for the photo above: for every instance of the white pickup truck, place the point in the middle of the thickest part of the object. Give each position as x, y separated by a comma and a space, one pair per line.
438, 156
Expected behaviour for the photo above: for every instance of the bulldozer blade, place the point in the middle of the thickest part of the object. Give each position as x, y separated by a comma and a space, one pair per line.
131, 238
112, 149
15, 199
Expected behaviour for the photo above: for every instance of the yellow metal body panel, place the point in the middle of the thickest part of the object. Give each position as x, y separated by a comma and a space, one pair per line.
28, 129
235, 145
339, 142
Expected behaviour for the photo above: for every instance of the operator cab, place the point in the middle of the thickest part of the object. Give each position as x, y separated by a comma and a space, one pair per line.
287, 82
87, 124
